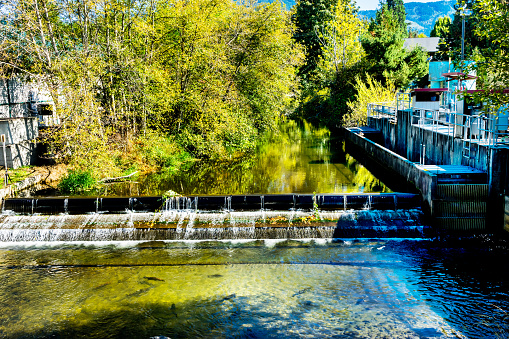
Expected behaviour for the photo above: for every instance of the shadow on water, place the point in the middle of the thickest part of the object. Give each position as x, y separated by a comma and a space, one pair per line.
226, 316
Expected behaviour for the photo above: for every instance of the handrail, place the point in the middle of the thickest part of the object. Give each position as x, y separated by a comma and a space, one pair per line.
403, 101
490, 130
389, 109
382, 109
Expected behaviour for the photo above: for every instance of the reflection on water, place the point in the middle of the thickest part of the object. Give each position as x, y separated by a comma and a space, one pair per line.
251, 289
299, 158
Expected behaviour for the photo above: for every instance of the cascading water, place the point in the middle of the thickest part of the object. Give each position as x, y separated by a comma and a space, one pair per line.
227, 217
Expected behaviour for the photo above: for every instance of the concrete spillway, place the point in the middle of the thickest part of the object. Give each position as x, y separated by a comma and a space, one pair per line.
184, 225
213, 217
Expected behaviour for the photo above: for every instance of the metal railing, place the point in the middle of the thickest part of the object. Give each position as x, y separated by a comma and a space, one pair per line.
403, 101
490, 130
382, 110
390, 109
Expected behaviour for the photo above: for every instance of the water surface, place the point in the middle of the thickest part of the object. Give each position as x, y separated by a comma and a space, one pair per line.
253, 289
298, 158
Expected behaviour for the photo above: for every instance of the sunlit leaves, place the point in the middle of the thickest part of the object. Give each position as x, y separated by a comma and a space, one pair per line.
492, 63
368, 91
384, 49
212, 73
340, 37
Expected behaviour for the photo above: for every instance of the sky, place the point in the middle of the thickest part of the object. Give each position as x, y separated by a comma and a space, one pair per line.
373, 4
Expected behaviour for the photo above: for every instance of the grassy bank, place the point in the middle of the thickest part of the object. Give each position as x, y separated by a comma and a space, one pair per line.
142, 155
49, 174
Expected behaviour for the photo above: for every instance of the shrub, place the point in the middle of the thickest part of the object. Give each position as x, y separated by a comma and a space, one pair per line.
155, 151
76, 181
369, 91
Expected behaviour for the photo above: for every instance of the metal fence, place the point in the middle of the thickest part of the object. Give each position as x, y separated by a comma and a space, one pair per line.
390, 109
490, 130
382, 110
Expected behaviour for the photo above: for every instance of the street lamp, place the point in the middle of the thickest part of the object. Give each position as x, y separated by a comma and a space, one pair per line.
463, 12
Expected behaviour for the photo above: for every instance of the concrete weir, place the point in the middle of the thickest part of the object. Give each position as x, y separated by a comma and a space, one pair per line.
213, 217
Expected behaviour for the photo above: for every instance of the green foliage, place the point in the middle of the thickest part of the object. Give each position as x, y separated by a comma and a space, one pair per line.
330, 86
16, 175
212, 74
450, 44
339, 38
76, 180
368, 91
398, 9
316, 213
442, 27
311, 17
155, 151
492, 62
387, 58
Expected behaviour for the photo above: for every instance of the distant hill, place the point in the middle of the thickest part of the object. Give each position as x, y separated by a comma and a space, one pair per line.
288, 3
420, 16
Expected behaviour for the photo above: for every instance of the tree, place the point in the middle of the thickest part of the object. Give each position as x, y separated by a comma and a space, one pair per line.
399, 11
226, 79
311, 16
450, 44
442, 27
212, 74
492, 64
387, 58
339, 38
366, 91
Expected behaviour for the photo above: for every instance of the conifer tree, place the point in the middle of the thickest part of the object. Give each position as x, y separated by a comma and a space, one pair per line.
387, 58
398, 9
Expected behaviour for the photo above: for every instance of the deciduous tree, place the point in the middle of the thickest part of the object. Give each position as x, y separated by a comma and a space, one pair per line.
311, 16
339, 38
492, 63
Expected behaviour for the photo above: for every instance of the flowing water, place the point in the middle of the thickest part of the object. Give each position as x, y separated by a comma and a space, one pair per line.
100, 275
254, 289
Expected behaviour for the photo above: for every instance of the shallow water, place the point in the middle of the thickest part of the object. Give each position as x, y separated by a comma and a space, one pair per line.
254, 289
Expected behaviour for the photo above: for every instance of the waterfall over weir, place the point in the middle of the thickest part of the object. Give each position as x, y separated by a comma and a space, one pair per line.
213, 217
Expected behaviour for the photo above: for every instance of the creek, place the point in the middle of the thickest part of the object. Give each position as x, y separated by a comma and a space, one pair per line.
298, 158
101, 275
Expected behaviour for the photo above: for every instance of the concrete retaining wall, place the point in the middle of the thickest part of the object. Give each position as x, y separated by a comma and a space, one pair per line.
426, 182
19, 155
19, 186
19, 130
406, 140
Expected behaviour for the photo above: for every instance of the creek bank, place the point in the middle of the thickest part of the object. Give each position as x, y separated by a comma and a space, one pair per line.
48, 175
